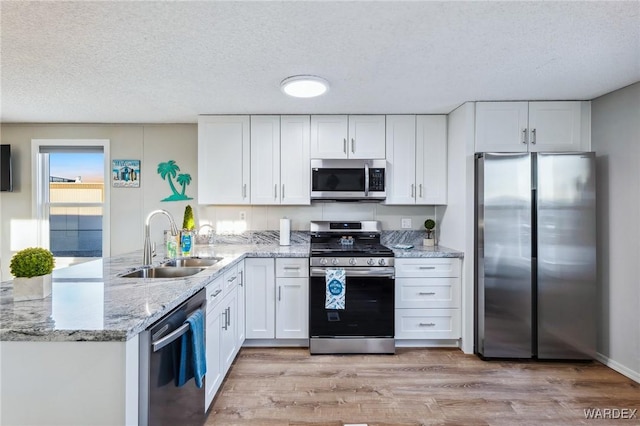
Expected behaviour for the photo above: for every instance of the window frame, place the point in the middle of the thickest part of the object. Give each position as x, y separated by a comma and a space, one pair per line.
40, 176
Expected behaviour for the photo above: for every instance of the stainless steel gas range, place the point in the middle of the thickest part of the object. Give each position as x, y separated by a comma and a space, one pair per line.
351, 294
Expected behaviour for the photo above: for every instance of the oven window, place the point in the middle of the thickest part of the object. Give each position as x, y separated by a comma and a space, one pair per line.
350, 180
369, 309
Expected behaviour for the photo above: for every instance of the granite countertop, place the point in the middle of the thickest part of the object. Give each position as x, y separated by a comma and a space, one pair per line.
90, 302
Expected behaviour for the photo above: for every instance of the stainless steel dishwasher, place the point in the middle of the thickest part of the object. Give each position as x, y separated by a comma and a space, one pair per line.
161, 401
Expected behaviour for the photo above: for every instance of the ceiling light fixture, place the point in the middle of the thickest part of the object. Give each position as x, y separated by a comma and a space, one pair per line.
304, 86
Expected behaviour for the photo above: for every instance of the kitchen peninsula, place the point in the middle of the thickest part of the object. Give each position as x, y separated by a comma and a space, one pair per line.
72, 358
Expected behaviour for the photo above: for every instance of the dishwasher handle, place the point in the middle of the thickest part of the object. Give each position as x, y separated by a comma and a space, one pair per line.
170, 338
174, 335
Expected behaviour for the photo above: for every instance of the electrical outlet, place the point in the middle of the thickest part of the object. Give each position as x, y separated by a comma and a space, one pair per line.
406, 223
243, 215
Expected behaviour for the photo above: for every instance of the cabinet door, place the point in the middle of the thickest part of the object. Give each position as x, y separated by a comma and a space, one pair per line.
214, 375
501, 126
292, 308
228, 338
366, 137
555, 126
401, 159
329, 136
223, 160
295, 165
265, 159
240, 302
431, 159
260, 295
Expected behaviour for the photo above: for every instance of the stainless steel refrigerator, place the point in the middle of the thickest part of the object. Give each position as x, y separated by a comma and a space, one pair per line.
535, 255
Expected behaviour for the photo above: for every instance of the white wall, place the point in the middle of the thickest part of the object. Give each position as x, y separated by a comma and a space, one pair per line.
149, 143
615, 126
457, 221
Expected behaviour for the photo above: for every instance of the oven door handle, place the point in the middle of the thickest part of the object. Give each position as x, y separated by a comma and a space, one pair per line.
357, 272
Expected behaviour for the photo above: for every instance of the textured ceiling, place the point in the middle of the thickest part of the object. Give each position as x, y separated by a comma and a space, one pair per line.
151, 62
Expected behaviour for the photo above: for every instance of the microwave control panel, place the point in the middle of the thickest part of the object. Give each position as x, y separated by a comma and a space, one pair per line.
376, 179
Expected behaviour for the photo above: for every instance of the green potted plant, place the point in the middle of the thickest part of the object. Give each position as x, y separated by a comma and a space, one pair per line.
32, 269
429, 225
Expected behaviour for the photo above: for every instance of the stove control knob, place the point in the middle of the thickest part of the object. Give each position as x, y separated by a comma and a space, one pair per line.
323, 261
352, 261
334, 262
371, 262
381, 262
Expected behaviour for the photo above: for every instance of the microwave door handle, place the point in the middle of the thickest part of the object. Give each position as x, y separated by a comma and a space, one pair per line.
366, 179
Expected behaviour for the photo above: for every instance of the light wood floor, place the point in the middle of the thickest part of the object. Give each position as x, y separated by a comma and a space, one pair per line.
268, 386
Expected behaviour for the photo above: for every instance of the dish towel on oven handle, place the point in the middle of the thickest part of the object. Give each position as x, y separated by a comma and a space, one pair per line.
336, 280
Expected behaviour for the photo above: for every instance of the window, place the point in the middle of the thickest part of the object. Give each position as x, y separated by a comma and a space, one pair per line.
70, 199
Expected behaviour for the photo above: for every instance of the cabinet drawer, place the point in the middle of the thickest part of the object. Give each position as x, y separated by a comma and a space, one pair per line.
433, 267
292, 267
427, 323
214, 293
427, 293
230, 279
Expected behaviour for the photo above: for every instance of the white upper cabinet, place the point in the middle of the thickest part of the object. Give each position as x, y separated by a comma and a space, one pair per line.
557, 126
401, 159
416, 159
431, 159
553, 126
280, 166
265, 159
353, 136
223, 159
295, 164
367, 136
501, 126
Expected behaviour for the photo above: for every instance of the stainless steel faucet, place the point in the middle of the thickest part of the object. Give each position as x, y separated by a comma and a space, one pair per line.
146, 250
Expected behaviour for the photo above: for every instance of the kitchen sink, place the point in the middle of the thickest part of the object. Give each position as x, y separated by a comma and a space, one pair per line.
192, 261
162, 272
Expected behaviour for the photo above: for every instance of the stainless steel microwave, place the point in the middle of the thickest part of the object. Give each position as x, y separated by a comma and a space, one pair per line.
348, 180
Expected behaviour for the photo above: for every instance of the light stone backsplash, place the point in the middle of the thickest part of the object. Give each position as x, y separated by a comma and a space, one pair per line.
227, 219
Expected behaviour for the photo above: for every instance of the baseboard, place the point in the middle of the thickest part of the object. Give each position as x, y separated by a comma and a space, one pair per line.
633, 375
427, 343
275, 343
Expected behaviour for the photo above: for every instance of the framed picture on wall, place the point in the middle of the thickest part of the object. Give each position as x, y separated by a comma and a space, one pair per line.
125, 173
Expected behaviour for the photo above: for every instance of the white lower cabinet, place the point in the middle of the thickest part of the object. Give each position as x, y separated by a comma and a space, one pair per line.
428, 298
213, 330
277, 298
240, 296
260, 307
292, 303
225, 327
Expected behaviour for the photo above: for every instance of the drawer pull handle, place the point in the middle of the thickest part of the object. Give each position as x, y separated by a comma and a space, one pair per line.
427, 293
429, 324
291, 268
218, 291
427, 267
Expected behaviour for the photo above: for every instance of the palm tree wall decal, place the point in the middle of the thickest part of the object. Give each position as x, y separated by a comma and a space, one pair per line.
168, 171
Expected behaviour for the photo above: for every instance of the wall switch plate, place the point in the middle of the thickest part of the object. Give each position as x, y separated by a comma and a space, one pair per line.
406, 223
243, 215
